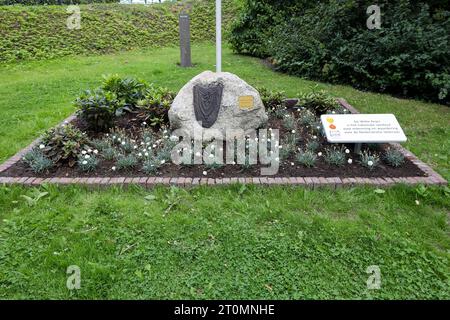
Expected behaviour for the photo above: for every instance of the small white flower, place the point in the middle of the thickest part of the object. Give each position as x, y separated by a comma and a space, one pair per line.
87, 156
319, 154
417, 202
293, 131
41, 146
163, 161
83, 152
135, 147
148, 143
154, 146
370, 163
350, 161
280, 147
89, 150
347, 151
84, 162
146, 154
205, 173
165, 131
123, 143
268, 140
333, 112
233, 163
256, 139
292, 164
144, 123
118, 139
318, 127
139, 154
113, 168
314, 137
142, 143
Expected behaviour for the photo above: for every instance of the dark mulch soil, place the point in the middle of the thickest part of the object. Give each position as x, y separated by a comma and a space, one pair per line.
132, 123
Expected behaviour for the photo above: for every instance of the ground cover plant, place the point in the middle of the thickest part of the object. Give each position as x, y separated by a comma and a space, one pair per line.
40, 32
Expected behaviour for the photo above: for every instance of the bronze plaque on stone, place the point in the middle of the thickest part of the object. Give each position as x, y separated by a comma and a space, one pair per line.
207, 101
246, 102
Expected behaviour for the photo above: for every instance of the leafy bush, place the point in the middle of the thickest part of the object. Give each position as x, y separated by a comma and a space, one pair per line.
127, 90
307, 158
319, 102
394, 158
329, 41
64, 144
98, 108
156, 104
272, 100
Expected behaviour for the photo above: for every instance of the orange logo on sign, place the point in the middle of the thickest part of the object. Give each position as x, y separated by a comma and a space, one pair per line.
332, 126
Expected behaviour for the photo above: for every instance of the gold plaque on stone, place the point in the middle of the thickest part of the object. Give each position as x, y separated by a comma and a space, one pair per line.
246, 102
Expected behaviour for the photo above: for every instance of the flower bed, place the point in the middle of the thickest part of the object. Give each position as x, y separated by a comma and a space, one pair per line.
121, 135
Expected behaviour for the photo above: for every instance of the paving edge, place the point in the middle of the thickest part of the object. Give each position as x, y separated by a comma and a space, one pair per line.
433, 177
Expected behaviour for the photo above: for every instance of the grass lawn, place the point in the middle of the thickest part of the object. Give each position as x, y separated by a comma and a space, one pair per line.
230, 242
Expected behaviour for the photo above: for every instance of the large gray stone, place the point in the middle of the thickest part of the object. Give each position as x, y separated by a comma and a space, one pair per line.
233, 114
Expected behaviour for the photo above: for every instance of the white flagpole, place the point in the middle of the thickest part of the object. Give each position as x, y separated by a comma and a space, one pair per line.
218, 35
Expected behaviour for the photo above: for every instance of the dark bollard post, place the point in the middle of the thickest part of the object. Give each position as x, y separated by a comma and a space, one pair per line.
185, 40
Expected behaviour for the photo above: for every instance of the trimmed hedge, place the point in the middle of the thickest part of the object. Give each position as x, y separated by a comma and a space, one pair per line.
329, 41
40, 32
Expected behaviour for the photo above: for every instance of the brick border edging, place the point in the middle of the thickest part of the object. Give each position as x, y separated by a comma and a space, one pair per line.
313, 182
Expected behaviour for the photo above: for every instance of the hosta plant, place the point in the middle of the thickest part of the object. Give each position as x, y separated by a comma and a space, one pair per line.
156, 104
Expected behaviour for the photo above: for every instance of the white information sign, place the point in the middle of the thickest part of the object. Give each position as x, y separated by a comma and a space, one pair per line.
362, 128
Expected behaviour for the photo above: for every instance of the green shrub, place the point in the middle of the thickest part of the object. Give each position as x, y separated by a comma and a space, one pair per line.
127, 90
64, 143
52, 2
98, 108
272, 100
307, 158
394, 158
329, 41
319, 102
156, 105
